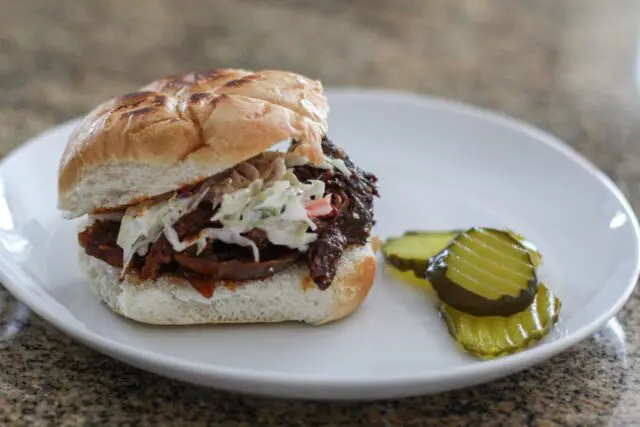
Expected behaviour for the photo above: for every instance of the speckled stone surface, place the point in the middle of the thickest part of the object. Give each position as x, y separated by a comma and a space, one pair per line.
567, 66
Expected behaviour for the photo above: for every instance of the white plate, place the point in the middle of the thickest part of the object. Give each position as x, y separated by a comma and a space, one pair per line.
441, 165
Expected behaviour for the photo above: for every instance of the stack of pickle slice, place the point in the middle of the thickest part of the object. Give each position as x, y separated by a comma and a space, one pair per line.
485, 281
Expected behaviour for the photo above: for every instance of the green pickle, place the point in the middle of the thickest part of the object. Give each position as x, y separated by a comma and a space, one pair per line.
412, 250
484, 272
494, 336
407, 256
410, 278
534, 253
490, 300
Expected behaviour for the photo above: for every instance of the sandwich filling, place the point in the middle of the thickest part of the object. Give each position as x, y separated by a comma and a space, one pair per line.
248, 222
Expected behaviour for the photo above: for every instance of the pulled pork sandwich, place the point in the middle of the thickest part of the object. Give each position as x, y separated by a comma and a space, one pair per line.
194, 217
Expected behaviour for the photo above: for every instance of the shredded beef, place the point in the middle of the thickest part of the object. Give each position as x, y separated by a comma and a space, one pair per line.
219, 260
213, 268
324, 256
349, 224
352, 197
160, 254
194, 221
259, 237
99, 241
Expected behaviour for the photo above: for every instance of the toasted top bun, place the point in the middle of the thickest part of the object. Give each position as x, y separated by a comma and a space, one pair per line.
289, 295
182, 129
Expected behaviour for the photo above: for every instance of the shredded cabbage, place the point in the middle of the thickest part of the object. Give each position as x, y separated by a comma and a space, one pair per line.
329, 163
226, 235
340, 165
278, 210
143, 224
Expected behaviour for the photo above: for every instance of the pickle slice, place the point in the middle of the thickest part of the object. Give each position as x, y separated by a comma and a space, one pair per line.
495, 336
412, 250
411, 279
534, 253
484, 272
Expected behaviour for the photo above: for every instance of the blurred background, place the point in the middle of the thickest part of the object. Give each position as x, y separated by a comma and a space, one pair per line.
568, 66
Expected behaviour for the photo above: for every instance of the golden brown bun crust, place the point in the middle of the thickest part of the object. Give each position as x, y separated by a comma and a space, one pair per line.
203, 122
353, 288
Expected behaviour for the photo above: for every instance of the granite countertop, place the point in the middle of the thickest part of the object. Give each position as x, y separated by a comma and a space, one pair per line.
567, 66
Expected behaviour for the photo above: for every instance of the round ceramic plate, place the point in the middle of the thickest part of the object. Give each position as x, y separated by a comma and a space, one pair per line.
441, 165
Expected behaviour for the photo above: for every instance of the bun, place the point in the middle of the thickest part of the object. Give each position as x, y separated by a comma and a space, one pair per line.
287, 296
182, 129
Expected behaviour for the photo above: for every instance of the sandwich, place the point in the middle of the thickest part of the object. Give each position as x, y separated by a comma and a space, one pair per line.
216, 197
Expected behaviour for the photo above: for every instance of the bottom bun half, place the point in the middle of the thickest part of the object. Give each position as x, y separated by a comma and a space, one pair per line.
289, 295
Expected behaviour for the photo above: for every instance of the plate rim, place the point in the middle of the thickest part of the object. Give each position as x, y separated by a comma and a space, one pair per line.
12, 277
